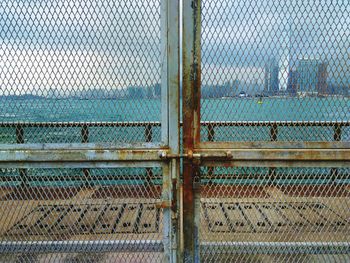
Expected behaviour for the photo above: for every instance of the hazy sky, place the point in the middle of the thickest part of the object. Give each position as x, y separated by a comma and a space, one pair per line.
241, 32
80, 44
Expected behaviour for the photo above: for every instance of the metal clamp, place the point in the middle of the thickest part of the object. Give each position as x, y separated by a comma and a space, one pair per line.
189, 155
164, 204
195, 157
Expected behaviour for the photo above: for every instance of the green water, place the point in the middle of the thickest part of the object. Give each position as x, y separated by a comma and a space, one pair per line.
231, 109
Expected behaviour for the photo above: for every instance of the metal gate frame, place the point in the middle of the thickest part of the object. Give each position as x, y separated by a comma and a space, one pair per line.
228, 154
104, 155
181, 239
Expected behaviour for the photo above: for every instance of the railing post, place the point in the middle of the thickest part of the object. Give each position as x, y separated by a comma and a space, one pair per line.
20, 140
84, 134
85, 139
19, 134
337, 132
337, 138
191, 83
211, 136
273, 138
273, 132
149, 138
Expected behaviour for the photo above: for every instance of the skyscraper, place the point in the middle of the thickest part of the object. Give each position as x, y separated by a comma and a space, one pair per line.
271, 78
292, 87
322, 76
312, 76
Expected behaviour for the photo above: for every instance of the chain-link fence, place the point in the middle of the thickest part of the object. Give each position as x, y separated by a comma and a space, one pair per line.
273, 75
83, 73
249, 214
89, 131
79, 64
285, 62
67, 210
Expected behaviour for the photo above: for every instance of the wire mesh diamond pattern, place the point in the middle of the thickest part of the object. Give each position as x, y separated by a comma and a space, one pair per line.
79, 61
268, 61
116, 206
276, 206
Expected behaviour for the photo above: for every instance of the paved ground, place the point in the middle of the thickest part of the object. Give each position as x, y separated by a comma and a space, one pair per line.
250, 214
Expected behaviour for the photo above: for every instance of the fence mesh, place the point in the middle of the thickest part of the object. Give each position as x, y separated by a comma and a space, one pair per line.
79, 61
274, 71
111, 210
268, 61
269, 214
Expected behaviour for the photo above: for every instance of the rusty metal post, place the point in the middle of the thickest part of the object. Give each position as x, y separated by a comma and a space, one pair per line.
85, 139
191, 125
273, 138
20, 140
211, 136
148, 138
273, 132
84, 134
337, 138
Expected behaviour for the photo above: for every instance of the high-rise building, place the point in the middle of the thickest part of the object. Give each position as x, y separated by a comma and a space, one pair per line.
312, 76
271, 85
292, 86
322, 76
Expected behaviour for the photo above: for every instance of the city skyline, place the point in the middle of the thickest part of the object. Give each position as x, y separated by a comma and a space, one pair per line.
77, 48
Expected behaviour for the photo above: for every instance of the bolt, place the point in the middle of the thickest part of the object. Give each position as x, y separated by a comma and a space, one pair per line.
162, 154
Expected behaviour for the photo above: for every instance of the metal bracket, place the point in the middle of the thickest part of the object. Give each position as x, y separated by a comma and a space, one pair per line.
189, 155
164, 204
196, 157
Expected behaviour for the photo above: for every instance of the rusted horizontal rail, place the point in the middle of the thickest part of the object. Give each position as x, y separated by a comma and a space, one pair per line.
158, 124
92, 153
77, 153
102, 246
210, 152
276, 154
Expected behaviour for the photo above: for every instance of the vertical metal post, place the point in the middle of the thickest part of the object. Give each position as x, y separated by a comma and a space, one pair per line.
170, 121
273, 132
211, 136
337, 132
84, 134
337, 138
19, 134
191, 45
20, 140
148, 138
273, 138
85, 139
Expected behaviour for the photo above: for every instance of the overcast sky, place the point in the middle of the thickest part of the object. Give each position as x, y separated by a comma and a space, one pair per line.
71, 44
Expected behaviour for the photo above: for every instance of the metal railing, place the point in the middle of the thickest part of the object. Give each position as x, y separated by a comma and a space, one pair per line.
148, 126
148, 135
